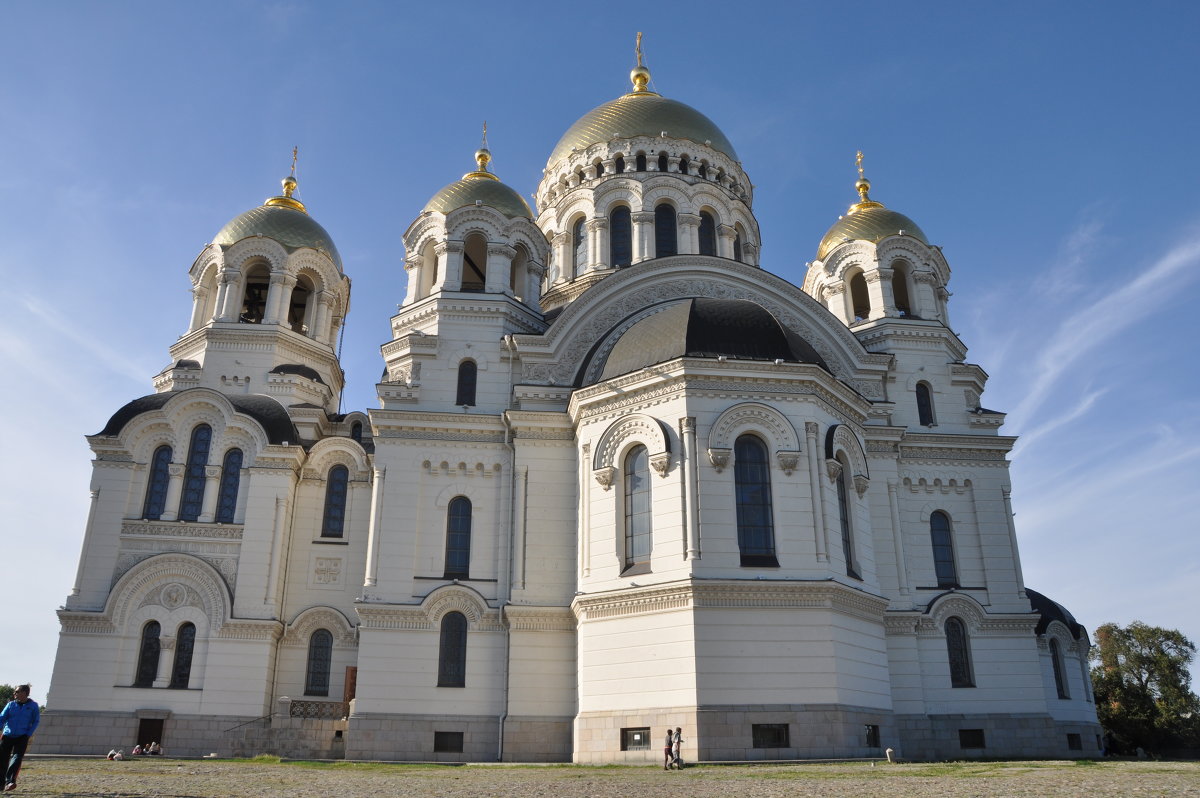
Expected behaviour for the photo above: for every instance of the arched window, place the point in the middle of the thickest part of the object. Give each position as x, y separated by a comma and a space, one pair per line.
958, 649
227, 496
599, 167
619, 165
192, 499
185, 642
620, 236
458, 538
843, 500
356, 431
254, 294
737, 245
860, 300
300, 311
703, 171
1056, 662
665, 237
900, 291
752, 493
637, 508
683, 165
452, 652
336, 485
639, 162
156, 489
708, 234
468, 374
943, 550
474, 272
320, 657
925, 405
579, 248
147, 667
663, 163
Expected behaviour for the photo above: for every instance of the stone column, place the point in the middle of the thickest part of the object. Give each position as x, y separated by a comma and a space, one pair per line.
585, 510
598, 233
534, 273
87, 539
174, 489
750, 253
199, 299
499, 268
279, 531
227, 294
875, 293
897, 536
725, 237
691, 488
212, 486
689, 233
320, 326
372, 575
450, 265
166, 658
279, 298
643, 235
925, 300
835, 300
412, 270
885, 290
239, 511
562, 256
817, 488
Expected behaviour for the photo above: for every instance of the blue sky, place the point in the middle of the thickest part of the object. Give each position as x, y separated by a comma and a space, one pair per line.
1049, 148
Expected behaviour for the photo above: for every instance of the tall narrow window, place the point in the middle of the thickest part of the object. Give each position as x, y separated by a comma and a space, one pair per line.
859, 298
637, 508
737, 247
958, 649
925, 405
620, 236
474, 271
468, 375
708, 234
843, 499
356, 431
619, 165
752, 492
185, 642
192, 498
458, 538
599, 168
147, 667
156, 488
900, 292
639, 162
683, 165
320, 657
231, 475
452, 651
579, 248
337, 484
666, 240
943, 550
663, 163
254, 295
1060, 676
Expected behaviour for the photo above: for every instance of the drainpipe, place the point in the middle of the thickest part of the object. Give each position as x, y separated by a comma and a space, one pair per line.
511, 346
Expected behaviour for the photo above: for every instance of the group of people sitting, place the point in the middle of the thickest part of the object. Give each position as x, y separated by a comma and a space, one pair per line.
153, 749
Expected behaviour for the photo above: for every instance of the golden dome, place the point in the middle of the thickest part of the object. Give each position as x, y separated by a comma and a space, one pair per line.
867, 220
283, 219
480, 187
641, 113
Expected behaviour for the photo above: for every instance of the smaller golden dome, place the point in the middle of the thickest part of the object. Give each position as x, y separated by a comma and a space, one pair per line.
867, 220
480, 187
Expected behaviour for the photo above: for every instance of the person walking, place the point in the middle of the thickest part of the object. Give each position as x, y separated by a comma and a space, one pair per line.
20, 718
676, 741
667, 750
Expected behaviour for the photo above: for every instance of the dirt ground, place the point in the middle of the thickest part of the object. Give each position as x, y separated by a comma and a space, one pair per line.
169, 778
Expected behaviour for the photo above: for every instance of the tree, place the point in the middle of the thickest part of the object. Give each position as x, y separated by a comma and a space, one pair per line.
1142, 686
7, 691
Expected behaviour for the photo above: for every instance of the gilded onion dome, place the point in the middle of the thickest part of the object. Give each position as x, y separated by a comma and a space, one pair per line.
283, 219
641, 112
480, 187
867, 220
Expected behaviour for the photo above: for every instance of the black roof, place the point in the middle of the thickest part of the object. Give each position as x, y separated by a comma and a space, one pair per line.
269, 414
1051, 610
701, 327
296, 368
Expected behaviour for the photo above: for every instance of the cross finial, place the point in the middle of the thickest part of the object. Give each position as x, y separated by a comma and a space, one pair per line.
639, 48
485, 146
295, 153
858, 163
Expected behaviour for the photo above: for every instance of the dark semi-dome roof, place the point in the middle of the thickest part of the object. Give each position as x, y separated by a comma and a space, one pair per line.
1050, 610
270, 415
734, 328
283, 219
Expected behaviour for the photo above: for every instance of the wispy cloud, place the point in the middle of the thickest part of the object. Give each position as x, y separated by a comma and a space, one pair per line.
1094, 324
1029, 436
86, 339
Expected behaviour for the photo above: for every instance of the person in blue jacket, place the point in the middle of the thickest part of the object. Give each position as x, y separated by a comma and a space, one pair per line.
20, 718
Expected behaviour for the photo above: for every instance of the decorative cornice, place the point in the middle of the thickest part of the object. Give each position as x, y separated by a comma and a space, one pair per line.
539, 619
250, 630
181, 529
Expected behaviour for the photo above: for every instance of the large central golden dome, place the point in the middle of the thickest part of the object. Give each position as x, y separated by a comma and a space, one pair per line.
641, 113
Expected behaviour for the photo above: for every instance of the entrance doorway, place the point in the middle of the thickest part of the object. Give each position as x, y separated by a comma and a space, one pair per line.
150, 730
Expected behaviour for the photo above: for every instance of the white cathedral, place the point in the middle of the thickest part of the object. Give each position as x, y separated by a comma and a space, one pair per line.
621, 478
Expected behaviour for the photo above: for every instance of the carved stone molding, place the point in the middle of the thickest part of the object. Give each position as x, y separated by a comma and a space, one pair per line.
661, 463
861, 483
719, 458
833, 469
788, 461
604, 476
